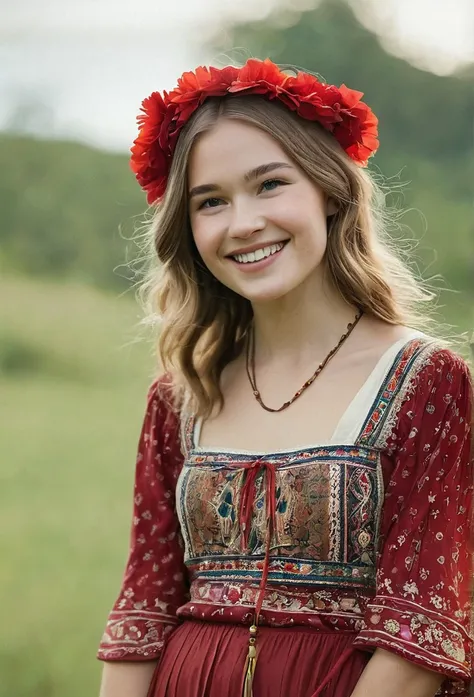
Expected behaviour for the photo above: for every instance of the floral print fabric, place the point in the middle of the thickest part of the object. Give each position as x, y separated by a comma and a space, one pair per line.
154, 585
422, 608
373, 538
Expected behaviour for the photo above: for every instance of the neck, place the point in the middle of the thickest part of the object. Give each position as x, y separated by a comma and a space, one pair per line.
296, 328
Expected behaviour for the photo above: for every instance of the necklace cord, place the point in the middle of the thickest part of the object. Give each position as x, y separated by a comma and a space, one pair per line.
250, 366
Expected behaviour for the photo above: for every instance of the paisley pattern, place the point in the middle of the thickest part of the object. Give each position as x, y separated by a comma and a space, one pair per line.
327, 512
373, 537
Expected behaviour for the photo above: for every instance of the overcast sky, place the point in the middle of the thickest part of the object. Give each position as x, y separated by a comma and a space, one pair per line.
92, 62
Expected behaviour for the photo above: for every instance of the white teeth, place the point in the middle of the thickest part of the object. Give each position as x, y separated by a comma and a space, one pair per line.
258, 254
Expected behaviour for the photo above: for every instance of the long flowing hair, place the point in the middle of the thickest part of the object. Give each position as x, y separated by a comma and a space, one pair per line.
202, 324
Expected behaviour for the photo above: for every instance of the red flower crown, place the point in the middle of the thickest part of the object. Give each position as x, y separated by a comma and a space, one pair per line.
338, 109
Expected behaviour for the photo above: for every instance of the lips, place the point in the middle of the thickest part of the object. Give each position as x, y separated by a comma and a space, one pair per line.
255, 248
259, 254
255, 262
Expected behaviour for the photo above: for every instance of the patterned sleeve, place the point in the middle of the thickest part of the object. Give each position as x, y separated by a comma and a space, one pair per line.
421, 610
154, 583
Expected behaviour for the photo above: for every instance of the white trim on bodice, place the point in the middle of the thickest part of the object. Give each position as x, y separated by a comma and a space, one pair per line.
351, 422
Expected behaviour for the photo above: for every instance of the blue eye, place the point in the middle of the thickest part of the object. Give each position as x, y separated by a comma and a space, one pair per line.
271, 184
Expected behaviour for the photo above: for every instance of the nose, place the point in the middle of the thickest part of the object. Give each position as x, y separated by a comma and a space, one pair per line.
244, 221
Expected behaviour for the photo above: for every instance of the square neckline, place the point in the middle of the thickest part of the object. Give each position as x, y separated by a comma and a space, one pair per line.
361, 403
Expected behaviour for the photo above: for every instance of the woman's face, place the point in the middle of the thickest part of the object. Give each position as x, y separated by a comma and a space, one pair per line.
259, 223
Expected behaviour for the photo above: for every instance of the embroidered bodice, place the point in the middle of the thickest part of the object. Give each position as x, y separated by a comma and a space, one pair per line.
368, 533
327, 514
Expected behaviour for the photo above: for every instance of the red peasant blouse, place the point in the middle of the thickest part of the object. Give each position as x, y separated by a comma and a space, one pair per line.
394, 562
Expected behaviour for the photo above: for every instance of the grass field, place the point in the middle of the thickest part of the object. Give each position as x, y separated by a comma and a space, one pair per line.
72, 385
71, 404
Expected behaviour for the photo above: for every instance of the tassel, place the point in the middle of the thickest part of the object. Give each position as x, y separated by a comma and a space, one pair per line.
250, 663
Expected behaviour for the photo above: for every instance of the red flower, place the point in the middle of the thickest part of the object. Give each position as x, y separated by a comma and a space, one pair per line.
149, 159
339, 110
263, 77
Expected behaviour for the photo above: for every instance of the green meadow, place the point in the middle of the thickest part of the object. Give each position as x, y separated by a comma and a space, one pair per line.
72, 398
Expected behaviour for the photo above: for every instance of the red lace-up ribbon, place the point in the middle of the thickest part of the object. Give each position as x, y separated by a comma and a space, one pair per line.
247, 502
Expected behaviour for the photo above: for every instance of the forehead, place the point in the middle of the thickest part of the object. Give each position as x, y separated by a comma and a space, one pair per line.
231, 148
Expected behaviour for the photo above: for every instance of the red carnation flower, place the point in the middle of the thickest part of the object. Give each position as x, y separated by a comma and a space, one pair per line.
149, 160
265, 78
194, 88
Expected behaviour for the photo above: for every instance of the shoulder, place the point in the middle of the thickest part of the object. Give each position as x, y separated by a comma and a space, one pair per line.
427, 379
162, 394
436, 365
162, 410
160, 455
438, 390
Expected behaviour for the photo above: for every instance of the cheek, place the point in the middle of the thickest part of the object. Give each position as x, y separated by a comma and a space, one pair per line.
201, 239
302, 209
206, 239
306, 224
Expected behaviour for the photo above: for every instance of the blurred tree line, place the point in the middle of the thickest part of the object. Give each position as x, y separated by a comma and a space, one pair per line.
425, 123
66, 210
69, 210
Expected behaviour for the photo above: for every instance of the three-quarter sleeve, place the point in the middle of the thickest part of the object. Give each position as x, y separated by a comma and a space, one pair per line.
154, 584
422, 608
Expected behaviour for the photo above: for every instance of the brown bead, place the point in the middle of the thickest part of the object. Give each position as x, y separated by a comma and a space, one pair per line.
250, 365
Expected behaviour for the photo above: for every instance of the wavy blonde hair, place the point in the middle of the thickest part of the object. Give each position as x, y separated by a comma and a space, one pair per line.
202, 323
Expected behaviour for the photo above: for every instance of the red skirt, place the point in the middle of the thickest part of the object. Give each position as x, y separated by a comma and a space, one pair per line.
203, 659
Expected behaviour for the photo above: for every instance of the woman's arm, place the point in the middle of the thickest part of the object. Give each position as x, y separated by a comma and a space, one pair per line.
127, 679
422, 606
155, 583
388, 675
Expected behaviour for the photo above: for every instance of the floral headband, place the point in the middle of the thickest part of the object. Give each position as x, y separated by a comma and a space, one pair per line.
337, 109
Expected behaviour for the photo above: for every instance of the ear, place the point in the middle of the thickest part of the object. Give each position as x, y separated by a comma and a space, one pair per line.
332, 207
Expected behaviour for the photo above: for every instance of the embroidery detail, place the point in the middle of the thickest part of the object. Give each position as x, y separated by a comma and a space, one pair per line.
391, 626
327, 513
456, 652
187, 424
138, 633
418, 633
397, 387
282, 604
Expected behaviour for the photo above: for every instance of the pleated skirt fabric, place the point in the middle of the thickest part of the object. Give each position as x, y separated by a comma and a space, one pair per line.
203, 659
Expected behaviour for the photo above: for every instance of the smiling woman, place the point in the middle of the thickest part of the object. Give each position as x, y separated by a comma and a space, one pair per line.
251, 222
304, 483
328, 192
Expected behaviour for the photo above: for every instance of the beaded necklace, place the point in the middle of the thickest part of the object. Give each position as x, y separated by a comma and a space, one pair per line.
250, 365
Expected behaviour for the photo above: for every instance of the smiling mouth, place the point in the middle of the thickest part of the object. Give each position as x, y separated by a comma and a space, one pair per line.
258, 254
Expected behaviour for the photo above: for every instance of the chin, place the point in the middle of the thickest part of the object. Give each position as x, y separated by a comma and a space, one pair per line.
264, 295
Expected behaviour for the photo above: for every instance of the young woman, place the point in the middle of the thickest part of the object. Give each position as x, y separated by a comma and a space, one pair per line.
303, 487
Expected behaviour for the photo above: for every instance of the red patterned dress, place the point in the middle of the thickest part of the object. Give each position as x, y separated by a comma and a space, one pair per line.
369, 544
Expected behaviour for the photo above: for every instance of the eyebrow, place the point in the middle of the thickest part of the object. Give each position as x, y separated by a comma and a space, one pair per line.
252, 174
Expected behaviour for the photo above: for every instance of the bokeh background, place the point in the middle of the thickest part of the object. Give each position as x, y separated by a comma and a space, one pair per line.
73, 363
